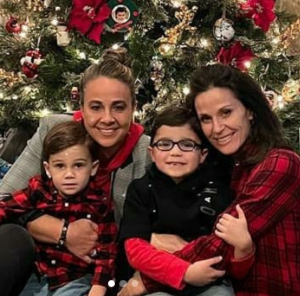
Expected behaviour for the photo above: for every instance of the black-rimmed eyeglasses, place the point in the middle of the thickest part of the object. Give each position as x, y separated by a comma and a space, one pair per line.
184, 145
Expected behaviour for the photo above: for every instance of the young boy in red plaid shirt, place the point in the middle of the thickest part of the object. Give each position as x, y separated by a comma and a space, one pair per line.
67, 191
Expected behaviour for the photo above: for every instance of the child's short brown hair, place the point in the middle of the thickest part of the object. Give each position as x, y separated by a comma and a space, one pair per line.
65, 135
175, 116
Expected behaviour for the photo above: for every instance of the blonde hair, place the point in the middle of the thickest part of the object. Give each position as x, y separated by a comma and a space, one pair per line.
115, 64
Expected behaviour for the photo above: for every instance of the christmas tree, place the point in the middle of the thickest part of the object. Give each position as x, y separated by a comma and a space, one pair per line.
46, 45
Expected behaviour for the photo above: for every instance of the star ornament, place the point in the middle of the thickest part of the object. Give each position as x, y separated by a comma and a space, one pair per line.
88, 17
261, 11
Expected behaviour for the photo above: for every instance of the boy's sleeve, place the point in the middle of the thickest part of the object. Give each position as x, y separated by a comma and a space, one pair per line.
148, 260
239, 268
106, 250
13, 206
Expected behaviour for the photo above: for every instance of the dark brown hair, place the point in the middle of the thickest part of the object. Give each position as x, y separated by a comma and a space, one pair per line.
266, 132
65, 135
174, 116
115, 64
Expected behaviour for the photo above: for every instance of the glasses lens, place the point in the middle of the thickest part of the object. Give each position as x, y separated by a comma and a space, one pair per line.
186, 145
164, 145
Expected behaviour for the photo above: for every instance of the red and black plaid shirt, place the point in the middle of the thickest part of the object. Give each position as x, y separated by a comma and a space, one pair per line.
269, 194
55, 261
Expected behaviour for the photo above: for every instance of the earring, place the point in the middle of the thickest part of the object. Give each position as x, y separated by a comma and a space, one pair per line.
48, 175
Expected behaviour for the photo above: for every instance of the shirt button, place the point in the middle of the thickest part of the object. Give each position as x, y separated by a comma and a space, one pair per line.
150, 185
53, 262
89, 216
66, 204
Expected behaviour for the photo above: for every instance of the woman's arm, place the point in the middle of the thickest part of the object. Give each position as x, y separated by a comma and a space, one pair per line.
272, 190
82, 235
150, 261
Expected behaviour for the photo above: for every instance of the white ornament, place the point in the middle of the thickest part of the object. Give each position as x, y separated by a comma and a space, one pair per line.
223, 29
62, 36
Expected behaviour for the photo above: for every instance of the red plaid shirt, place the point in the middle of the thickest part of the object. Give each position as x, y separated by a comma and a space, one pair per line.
269, 194
55, 261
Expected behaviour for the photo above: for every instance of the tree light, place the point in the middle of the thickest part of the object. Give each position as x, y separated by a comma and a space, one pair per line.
204, 42
45, 112
247, 64
115, 46
176, 3
276, 40
27, 89
166, 47
54, 22
23, 34
24, 28
82, 55
280, 105
186, 90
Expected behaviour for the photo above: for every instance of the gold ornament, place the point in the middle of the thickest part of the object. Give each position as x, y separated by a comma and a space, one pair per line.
35, 5
166, 49
291, 90
8, 79
291, 39
185, 16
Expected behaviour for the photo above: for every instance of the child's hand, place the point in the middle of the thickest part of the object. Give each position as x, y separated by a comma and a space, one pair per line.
202, 273
235, 232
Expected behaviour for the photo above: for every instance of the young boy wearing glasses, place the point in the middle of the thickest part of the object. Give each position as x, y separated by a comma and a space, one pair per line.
181, 195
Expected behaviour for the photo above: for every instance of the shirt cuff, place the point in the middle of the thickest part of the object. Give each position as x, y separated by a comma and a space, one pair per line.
175, 273
239, 268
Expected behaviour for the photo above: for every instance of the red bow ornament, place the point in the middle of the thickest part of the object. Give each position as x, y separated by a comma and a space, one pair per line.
236, 56
261, 11
88, 17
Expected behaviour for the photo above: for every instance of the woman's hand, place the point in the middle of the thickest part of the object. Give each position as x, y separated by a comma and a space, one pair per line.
82, 237
167, 242
97, 290
134, 287
202, 273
